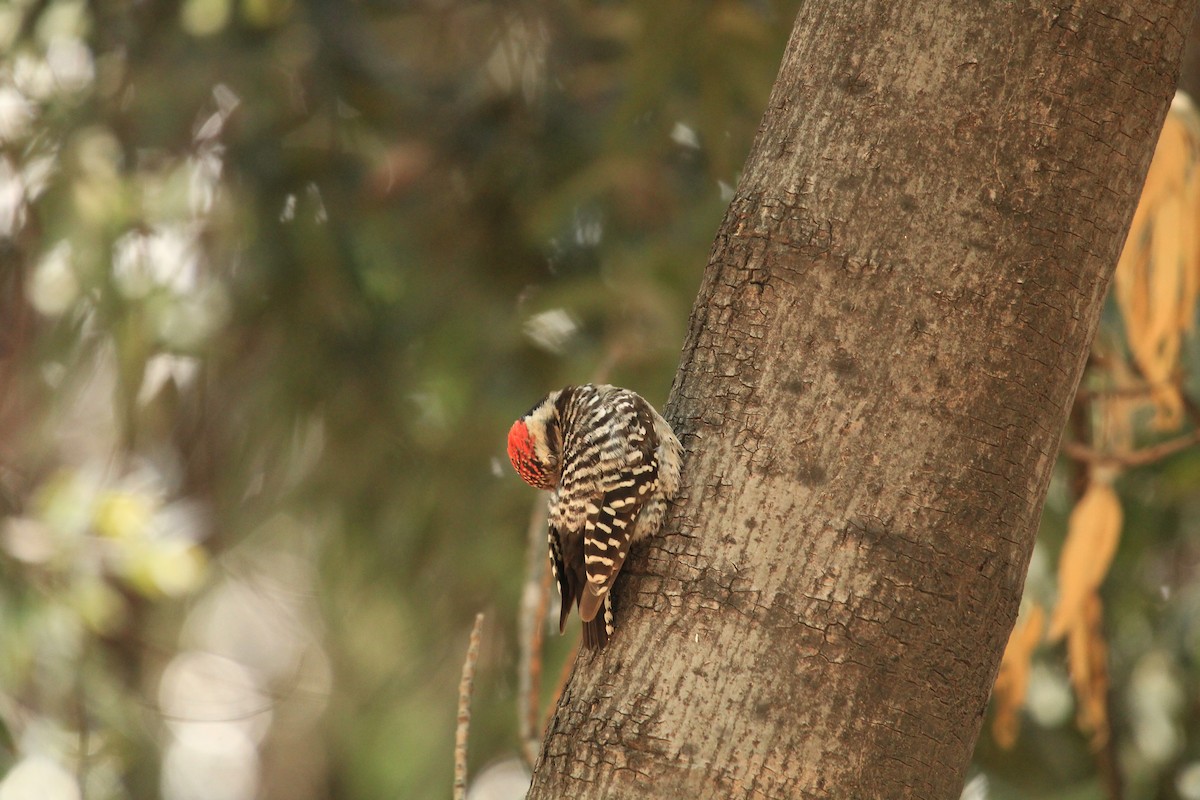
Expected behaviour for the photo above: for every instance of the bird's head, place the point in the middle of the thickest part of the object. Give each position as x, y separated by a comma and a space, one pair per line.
533, 444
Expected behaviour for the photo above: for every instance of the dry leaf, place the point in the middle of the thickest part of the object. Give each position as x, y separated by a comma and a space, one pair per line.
1093, 532
1012, 681
1087, 660
1157, 283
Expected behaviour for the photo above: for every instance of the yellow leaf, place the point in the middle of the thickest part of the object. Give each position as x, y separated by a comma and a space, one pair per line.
1093, 532
1130, 280
1166, 279
1087, 661
1157, 283
1012, 682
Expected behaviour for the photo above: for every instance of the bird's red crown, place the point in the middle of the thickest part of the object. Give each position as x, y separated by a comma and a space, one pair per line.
520, 446
520, 453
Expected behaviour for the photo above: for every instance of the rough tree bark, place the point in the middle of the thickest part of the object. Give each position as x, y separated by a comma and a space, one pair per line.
879, 365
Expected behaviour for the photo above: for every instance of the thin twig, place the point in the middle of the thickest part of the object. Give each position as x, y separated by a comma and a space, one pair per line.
535, 666
1144, 389
1132, 458
464, 711
535, 602
1190, 407
1189, 404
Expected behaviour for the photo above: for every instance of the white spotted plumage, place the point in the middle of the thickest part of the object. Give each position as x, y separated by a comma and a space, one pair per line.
612, 464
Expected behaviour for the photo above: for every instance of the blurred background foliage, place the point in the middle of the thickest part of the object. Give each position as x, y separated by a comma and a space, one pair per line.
278, 276
275, 277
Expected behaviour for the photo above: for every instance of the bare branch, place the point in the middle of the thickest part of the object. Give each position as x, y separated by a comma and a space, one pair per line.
1133, 458
535, 603
464, 711
1143, 389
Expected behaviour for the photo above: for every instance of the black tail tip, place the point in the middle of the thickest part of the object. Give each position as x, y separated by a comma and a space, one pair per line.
597, 630
595, 633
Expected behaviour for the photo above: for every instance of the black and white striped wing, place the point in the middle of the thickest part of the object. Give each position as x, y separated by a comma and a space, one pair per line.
608, 530
568, 584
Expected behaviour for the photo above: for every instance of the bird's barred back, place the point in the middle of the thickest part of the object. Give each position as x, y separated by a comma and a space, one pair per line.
618, 467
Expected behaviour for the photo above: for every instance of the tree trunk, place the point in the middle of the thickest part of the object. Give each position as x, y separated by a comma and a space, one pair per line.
879, 365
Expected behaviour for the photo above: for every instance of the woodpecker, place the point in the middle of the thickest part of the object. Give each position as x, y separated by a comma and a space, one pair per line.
611, 464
